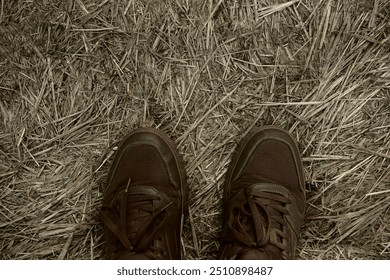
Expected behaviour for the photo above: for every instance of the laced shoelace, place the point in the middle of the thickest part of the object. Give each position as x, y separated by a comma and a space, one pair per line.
152, 220
261, 209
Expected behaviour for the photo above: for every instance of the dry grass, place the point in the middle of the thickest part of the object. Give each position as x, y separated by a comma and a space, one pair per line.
76, 76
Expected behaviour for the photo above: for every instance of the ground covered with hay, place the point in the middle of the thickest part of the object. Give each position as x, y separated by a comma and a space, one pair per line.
77, 75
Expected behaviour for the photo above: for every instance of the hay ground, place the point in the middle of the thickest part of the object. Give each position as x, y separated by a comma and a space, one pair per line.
77, 75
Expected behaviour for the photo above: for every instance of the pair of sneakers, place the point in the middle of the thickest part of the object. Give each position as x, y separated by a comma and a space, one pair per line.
146, 198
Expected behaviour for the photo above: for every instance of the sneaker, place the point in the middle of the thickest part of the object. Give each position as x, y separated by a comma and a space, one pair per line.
264, 197
145, 198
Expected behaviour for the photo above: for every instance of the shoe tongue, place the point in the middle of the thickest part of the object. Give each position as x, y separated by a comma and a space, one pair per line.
254, 254
247, 222
246, 219
136, 219
268, 253
131, 256
140, 214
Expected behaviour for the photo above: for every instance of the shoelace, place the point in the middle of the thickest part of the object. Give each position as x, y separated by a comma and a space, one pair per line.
254, 210
152, 221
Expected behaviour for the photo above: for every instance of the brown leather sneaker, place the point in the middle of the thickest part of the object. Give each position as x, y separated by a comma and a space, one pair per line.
264, 197
145, 198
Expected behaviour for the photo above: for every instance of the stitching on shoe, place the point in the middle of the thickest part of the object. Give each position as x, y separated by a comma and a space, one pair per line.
139, 143
301, 184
